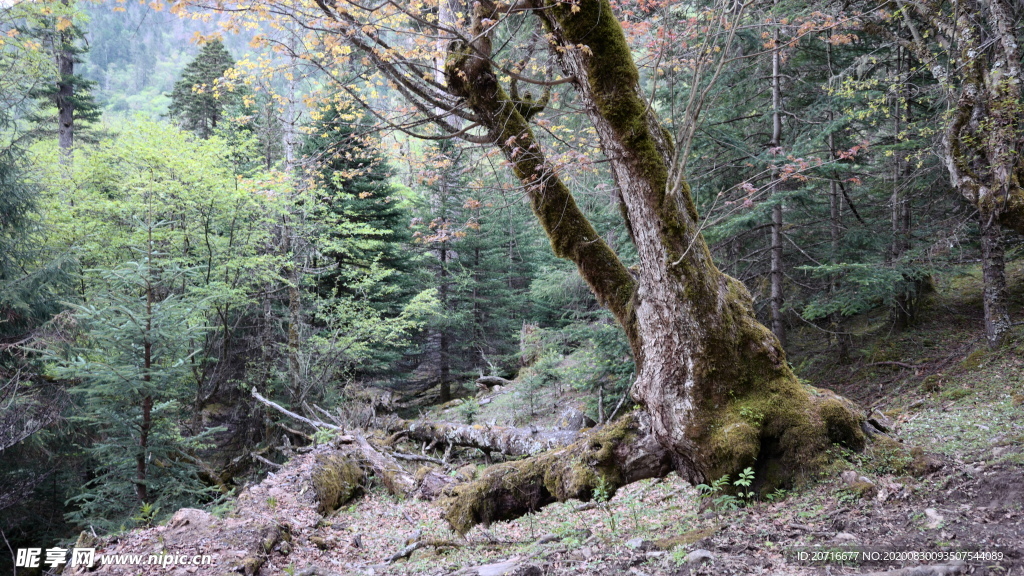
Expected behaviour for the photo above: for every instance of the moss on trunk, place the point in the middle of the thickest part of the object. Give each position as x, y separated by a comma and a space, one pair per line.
714, 380
610, 457
335, 481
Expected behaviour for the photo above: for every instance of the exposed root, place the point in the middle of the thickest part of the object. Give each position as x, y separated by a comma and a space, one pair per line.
612, 456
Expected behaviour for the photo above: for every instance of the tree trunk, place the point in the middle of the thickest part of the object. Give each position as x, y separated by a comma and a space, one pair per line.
141, 489
444, 354
982, 142
995, 297
903, 310
777, 298
503, 439
65, 60
715, 381
142, 457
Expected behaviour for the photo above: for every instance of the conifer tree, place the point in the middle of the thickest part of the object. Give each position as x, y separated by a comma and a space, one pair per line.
70, 94
469, 264
132, 357
198, 101
367, 223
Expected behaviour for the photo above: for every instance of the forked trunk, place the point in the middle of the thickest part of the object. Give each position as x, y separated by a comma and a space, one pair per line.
715, 381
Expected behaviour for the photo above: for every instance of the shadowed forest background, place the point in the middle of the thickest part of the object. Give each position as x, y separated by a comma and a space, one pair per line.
197, 205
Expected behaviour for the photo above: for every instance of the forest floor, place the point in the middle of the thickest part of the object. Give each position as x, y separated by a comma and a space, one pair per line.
941, 389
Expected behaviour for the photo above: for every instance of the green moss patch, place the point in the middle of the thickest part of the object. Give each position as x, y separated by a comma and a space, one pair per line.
336, 480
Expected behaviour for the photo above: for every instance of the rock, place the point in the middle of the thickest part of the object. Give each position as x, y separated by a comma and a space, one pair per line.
934, 518
924, 463
850, 478
548, 538
319, 542
466, 473
862, 485
698, 556
844, 537
1000, 451
881, 421
573, 419
640, 544
197, 519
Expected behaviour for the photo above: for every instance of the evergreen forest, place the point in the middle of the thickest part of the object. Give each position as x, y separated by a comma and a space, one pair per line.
637, 287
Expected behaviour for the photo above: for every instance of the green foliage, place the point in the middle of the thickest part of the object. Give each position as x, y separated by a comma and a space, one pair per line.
468, 411
862, 288
324, 436
147, 514
718, 491
131, 357
470, 257
201, 96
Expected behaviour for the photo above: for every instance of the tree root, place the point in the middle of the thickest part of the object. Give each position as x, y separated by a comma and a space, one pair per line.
408, 550
597, 464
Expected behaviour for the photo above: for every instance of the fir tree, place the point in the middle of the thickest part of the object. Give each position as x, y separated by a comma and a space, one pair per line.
132, 359
197, 102
468, 261
71, 93
367, 225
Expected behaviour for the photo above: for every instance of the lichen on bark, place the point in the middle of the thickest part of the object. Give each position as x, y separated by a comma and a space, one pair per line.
715, 381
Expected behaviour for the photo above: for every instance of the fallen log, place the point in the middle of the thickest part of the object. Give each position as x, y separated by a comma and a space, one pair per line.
488, 382
391, 474
335, 481
503, 439
612, 456
384, 466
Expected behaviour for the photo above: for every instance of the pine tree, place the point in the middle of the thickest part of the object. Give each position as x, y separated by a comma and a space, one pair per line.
132, 359
71, 93
469, 262
367, 225
199, 101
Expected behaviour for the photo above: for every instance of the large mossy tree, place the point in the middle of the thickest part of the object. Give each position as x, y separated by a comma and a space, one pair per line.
720, 393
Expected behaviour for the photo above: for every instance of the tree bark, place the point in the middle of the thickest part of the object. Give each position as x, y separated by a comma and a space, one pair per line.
612, 456
716, 382
444, 354
995, 298
777, 297
503, 439
65, 59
